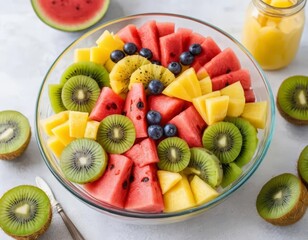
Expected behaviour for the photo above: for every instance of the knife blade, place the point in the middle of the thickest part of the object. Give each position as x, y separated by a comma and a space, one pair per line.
44, 186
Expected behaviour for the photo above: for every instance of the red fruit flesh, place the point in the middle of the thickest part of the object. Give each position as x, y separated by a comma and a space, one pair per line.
185, 32
130, 34
194, 38
209, 50
165, 28
249, 95
170, 48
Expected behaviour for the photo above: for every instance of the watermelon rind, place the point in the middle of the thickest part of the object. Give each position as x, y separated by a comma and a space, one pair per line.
69, 27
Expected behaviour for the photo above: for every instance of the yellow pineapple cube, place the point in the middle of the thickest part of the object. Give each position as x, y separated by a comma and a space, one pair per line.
202, 73
49, 123
188, 79
98, 55
236, 107
91, 129
109, 65
216, 109
167, 180
202, 191
62, 132
175, 89
179, 197
55, 145
256, 113
77, 123
234, 90
206, 85
109, 42
82, 54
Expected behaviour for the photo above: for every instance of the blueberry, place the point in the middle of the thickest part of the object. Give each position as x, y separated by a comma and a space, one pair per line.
155, 87
186, 58
170, 130
145, 52
195, 49
153, 117
117, 55
175, 68
155, 132
156, 62
130, 48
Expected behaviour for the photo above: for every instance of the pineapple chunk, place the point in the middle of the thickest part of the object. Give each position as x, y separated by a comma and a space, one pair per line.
202, 191
62, 132
49, 123
188, 79
216, 109
82, 54
109, 65
206, 85
202, 73
55, 145
77, 123
91, 129
179, 197
281, 3
175, 89
109, 42
256, 113
167, 180
234, 90
98, 55
235, 107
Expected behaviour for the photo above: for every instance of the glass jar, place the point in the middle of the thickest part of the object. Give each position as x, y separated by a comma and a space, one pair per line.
272, 31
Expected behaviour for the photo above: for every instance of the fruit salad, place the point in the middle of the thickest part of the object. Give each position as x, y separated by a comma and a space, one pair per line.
154, 118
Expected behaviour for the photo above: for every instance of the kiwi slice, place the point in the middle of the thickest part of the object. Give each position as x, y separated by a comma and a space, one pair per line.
231, 172
15, 134
122, 70
90, 69
249, 137
83, 161
292, 99
80, 93
302, 165
224, 139
116, 133
173, 154
206, 165
25, 212
282, 200
54, 93
149, 72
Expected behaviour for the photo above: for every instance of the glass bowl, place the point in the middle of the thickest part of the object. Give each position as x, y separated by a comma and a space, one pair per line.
259, 83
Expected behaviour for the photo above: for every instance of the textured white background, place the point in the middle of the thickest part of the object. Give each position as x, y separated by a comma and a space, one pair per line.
28, 48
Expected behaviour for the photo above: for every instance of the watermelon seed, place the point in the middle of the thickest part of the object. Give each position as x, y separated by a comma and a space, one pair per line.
138, 117
140, 105
131, 178
125, 184
145, 179
114, 106
112, 166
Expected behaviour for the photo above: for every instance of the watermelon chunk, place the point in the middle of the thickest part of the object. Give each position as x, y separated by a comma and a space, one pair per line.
144, 193
190, 126
185, 33
108, 103
225, 62
149, 38
170, 48
249, 95
130, 34
195, 38
165, 28
143, 153
209, 50
168, 107
112, 187
136, 109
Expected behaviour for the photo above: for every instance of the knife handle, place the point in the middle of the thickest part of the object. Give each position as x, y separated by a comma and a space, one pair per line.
76, 235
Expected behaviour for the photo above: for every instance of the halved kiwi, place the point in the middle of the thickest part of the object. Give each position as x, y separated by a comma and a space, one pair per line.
224, 139
282, 200
15, 134
83, 161
292, 99
302, 165
80, 93
173, 154
54, 93
231, 172
116, 133
25, 212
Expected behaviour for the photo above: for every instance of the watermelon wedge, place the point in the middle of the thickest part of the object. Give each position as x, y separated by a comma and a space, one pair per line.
194, 38
185, 33
170, 48
209, 50
165, 28
73, 15
130, 34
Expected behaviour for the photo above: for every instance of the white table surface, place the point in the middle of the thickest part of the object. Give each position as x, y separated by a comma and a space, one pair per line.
28, 48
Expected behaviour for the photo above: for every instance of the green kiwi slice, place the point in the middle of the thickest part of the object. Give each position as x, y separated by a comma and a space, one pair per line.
292, 99
15, 134
93, 70
224, 139
206, 165
173, 154
282, 200
25, 212
54, 93
116, 133
250, 139
83, 161
302, 165
231, 173
80, 93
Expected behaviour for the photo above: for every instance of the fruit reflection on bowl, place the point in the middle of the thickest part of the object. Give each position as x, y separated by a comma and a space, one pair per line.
189, 119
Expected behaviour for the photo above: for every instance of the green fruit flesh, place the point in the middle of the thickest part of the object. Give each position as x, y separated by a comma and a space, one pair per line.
54, 93
303, 165
83, 161
231, 173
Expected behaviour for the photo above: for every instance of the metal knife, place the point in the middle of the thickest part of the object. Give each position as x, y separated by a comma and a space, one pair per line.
76, 235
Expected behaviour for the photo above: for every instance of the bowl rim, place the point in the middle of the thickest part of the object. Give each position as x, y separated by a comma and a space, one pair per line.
223, 196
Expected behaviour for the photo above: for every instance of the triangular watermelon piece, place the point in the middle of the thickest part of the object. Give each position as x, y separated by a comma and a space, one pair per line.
130, 34
144, 193
165, 28
112, 187
148, 34
185, 32
170, 48
209, 50
195, 38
